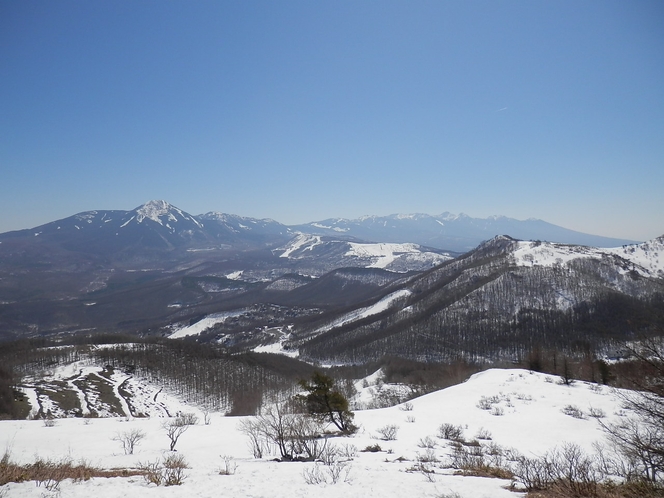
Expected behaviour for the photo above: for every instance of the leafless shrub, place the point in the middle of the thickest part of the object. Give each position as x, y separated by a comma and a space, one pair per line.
596, 413
253, 429
228, 467
152, 472
406, 407
206, 416
483, 434
338, 471
477, 461
373, 448
573, 411
295, 436
174, 469
451, 494
188, 418
533, 473
497, 411
129, 440
410, 419
320, 473
304, 433
486, 402
641, 443
429, 456
388, 432
314, 474
451, 432
348, 451
425, 469
427, 442
567, 469
174, 429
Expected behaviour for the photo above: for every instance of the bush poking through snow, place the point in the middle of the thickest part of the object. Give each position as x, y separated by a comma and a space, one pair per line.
330, 470
451, 432
427, 442
49, 421
596, 413
174, 429
497, 411
228, 467
295, 436
483, 434
188, 418
429, 456
425, 469
170, 472
388, 432
406, 407
573, 411
129, 440
374, 448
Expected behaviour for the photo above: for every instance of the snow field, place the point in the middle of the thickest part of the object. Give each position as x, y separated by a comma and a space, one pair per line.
532, 422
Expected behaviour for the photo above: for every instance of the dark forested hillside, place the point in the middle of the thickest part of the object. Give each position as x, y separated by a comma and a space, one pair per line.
489, 304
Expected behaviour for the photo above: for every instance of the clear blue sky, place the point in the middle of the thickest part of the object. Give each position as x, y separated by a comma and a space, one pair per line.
305, 110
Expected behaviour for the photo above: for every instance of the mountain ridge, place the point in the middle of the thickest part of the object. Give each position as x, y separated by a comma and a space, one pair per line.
447, 231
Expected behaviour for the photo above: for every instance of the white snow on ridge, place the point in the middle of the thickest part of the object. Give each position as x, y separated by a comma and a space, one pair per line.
360, 313
648, 255
381, 249
647, 258
388, 253
302, 241
550, 254
204, 324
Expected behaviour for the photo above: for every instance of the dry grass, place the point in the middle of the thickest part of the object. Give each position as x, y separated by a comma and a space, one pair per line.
637, 489
51, 472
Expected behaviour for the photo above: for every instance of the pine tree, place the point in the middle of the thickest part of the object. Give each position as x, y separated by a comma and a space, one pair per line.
325, 402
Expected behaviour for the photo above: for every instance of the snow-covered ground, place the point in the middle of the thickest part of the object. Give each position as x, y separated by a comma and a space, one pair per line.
360, 313
205, 323
646, 258
524, 412
384, 254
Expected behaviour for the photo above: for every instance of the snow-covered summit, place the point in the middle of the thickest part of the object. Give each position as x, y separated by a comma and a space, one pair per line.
647, 258
161, 212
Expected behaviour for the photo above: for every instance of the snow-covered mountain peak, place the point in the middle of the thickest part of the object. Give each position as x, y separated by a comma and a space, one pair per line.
162, 212
646, 259
154, 210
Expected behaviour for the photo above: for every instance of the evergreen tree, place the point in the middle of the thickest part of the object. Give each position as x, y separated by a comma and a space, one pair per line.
325, 402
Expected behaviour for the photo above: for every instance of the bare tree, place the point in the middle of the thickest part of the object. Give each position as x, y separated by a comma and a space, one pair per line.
641, 439
129, 439
174, 429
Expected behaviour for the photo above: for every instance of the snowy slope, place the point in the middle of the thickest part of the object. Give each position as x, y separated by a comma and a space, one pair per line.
367, 311
531, 421
647, 258
389, 256
181, 331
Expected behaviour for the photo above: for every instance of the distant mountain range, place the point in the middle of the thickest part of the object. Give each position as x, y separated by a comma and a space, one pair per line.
452, 232
159, 226
157, 267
